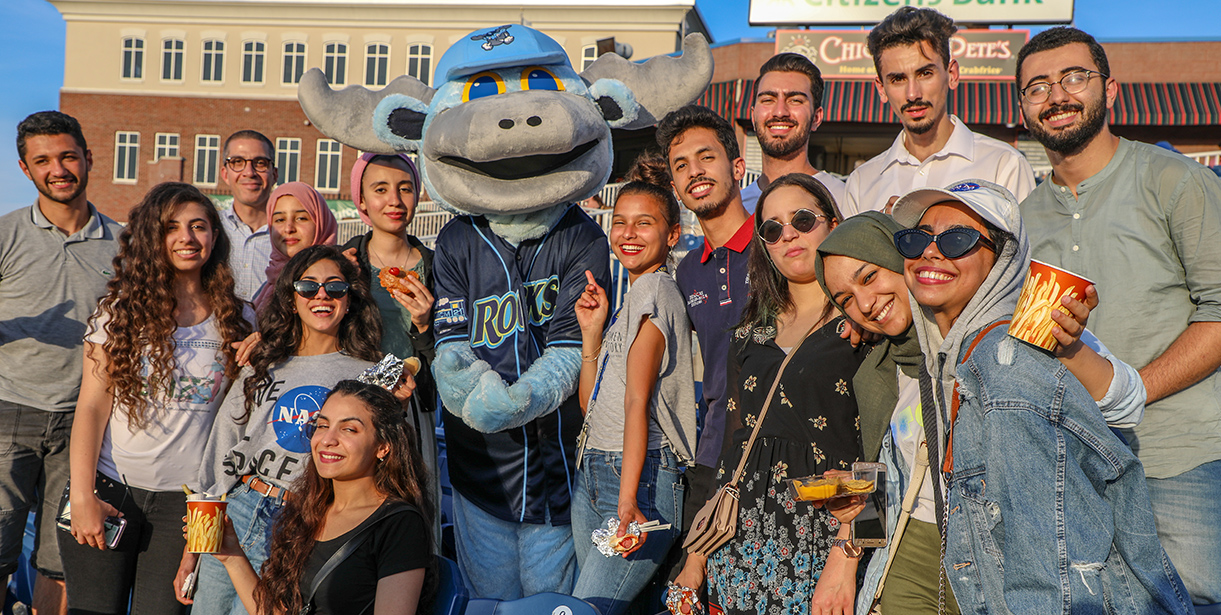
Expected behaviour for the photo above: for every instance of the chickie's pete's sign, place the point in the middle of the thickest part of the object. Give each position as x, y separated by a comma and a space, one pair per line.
843, 54
869, 12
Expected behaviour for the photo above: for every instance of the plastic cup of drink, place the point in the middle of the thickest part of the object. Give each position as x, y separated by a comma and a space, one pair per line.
205, 523
1045, 286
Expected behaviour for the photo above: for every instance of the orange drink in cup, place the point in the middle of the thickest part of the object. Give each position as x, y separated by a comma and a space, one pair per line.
205, 523
1045, 286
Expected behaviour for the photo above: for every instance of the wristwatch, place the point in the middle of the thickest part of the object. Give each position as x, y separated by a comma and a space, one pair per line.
849, 549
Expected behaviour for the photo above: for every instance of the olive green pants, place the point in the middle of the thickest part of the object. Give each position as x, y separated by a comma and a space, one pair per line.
912, 585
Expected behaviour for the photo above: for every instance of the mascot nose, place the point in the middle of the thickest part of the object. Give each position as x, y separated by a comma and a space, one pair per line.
508, 124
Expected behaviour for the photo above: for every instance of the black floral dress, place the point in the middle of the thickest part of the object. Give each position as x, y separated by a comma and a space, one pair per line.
773, 562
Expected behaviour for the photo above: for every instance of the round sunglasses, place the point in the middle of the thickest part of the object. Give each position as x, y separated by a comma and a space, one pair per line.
803, 221
953, 243
309, 289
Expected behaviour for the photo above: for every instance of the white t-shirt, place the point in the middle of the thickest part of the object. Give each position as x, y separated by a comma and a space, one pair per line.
967, 155
906, 430
166, 453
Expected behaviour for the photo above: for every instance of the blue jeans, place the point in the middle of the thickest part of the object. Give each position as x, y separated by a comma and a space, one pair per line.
611, 583
506, 560
1189, 525
252, 515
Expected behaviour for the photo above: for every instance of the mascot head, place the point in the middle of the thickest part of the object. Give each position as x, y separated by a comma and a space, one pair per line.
512, 129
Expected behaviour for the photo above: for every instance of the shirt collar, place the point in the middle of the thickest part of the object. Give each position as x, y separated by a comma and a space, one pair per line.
961, 143
93, 229
738, 243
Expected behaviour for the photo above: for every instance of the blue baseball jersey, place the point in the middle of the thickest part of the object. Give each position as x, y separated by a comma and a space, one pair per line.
510, 303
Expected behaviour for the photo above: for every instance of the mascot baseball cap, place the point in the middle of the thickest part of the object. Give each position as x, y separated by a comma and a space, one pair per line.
492, 48
985, 198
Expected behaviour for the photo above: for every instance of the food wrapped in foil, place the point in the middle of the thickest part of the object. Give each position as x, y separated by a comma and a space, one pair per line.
603, 537
385, 374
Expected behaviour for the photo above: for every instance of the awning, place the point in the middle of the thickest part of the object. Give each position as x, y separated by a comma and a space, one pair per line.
989, 102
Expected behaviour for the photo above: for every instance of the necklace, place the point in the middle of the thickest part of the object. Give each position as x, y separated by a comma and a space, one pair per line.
381, 263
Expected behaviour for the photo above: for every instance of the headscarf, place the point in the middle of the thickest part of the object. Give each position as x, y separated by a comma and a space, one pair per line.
869, 237
326, 231
358, 173
996, 297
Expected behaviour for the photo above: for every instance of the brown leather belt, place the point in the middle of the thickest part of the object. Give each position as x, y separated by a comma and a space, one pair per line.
265, 488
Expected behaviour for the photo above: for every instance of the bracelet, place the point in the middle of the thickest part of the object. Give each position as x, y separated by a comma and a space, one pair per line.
594, 358
848, 547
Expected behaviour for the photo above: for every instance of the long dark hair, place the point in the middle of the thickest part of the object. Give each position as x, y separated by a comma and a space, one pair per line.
360, 331
769, 291
139, 305
401, 476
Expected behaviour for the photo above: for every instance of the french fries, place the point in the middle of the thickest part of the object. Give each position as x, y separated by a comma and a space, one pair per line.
205, 530
1041, 294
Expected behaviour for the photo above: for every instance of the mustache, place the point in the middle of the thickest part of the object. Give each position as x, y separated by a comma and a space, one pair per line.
697, 180
1060, 108
916, 104
67, 175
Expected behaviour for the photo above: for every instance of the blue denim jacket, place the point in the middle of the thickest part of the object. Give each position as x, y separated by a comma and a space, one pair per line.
1048, 511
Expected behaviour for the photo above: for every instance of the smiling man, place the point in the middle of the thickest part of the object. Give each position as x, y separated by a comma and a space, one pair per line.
249, 170
55, 261
1145, 224
911, 52
787, 109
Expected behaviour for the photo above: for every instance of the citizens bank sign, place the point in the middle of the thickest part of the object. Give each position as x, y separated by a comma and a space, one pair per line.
843, 54
870, 12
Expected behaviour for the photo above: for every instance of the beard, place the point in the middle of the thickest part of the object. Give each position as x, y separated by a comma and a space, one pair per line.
1070, 140
920, 126
44, 188
710, 206
797, 139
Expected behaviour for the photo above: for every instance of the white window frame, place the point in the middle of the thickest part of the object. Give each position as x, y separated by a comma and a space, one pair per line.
377, 64
166, 145
207, 151
293, 61
420, 53
329, 161
254, 59
126, 157
131, 65
335, 62
288, 159
173, 59
589, 55
213, 59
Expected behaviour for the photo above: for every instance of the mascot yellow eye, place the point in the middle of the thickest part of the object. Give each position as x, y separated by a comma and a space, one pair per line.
481, 85
539, 78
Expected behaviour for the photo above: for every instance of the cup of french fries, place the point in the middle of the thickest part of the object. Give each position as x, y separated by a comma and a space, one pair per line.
1045, 286
205, 523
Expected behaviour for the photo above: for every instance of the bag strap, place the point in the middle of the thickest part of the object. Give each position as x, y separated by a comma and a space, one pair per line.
350, 546
767, 402
948, 465
909, 504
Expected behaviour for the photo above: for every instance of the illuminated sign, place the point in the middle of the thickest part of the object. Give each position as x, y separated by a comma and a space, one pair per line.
870, 12
843, 54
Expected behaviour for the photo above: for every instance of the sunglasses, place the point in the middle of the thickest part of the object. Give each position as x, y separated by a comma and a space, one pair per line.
953, 243
803, 221
309, 288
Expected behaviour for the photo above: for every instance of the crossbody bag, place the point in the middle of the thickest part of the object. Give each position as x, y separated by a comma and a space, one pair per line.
350, 546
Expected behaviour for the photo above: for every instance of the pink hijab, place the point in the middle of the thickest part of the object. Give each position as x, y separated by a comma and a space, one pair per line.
358, 173
326, 233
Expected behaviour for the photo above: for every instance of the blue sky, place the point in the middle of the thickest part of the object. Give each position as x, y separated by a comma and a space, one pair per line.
32, 52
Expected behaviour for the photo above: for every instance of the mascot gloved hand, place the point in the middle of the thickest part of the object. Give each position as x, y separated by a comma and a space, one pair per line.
482, 399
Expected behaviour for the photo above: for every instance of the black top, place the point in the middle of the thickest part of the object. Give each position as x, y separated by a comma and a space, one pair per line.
398, 543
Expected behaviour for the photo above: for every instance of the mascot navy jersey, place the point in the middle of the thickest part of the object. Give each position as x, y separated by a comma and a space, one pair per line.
510, 304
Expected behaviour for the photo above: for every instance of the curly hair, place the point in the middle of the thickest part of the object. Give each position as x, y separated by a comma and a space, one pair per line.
401, 476
769, 291
48, 123
911, 26
360, 331
139, 305
678, 122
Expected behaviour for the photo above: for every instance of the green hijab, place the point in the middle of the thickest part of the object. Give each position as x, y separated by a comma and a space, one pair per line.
869, 237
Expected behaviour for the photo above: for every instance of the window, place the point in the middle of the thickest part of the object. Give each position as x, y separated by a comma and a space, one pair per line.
167, 146
171, 59
294, 62
335, 63
419, 62
207, 159
330, 154
213, 61
288, 159
133, 58
252, 61
589, 53
126, 156
377, 64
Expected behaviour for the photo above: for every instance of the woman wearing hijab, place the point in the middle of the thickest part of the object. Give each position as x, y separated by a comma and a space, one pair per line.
298, 218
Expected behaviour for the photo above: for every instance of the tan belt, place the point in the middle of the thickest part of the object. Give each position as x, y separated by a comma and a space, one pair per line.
265, 488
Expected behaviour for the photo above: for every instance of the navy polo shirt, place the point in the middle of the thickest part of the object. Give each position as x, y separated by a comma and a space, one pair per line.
510, 303
715, 283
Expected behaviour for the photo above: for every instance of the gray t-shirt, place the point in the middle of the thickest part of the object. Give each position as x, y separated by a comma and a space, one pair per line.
49, 286
672, 410
272, 443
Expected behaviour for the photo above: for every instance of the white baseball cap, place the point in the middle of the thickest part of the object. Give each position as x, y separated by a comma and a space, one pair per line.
985, 198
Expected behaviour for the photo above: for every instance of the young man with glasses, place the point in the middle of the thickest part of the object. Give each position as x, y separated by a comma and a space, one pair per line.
249, 169
911, 52
1144, 224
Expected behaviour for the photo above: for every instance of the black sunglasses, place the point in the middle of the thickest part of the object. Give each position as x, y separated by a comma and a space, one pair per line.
803, 221
953, 243
309, 288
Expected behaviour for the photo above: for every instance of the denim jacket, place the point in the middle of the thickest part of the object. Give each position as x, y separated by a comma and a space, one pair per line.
1047, 511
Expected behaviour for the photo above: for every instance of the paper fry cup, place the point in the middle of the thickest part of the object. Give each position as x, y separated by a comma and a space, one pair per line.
205, 523
1045, 286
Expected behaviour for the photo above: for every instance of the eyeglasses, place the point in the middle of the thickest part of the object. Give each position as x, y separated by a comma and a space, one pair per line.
803, 221
1072, 83
237, 164
308, 289
954, 243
